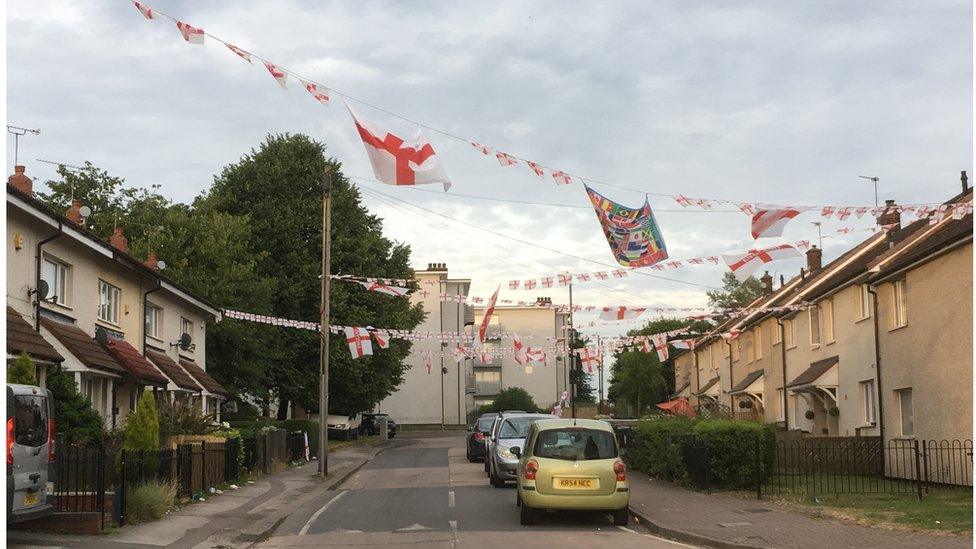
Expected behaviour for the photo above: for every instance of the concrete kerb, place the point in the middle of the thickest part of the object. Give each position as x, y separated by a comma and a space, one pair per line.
686, 536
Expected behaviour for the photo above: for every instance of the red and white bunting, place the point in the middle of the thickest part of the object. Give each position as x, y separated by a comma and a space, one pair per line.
661, 344
589, 357
190, 33
359, 341
770, 223
505, 159
513, 284
381, 288
744, 264
241, 53
280, 76
382, 339
561, 178
683, 344
621, 313
426, 355
145, 10
320, 94
535, 168
484, 150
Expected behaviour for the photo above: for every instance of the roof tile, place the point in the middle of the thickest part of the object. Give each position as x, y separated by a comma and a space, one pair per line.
21, 337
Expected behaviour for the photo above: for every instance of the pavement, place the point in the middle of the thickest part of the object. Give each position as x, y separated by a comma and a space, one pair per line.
729, 521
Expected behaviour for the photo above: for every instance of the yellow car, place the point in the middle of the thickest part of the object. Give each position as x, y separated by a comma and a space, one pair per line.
571, 464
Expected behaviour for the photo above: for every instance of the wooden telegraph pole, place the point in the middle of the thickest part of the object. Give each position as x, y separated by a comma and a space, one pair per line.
324, 332
572, 354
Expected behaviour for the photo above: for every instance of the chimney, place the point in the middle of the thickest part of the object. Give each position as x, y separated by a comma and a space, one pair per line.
20, 181
814, 259
119, 241
544, 300
767, 283
437, 267
890, 216
965, 181
782, 281
152, 262
74, 212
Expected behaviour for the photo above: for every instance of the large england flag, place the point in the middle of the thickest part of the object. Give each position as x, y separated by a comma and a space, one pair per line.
621, 313
744, 264
397, 161
359, 341
770, 223
486, 319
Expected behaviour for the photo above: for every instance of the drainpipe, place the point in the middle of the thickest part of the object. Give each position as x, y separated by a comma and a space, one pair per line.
731, 398
37, 281
694, 352
782, 348
145, 309
877, 366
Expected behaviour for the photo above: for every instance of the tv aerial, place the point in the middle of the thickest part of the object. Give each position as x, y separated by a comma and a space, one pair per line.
17, 132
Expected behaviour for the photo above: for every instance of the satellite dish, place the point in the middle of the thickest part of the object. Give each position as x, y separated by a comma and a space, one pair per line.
161, 264
444, 369
84, 211
101, 336
185, 342
42, 290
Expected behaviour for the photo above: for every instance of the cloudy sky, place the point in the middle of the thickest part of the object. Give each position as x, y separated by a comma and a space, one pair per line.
768, 102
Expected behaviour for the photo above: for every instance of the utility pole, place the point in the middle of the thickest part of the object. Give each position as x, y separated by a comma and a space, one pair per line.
572, 354
324, 331
599, 346
875, 181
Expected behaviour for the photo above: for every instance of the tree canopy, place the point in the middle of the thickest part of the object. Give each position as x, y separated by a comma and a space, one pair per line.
734, 293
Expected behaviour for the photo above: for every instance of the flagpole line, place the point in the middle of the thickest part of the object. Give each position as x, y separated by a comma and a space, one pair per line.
457, 137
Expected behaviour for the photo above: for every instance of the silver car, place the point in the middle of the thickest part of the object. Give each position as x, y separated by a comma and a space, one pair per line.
30, 450
508, 431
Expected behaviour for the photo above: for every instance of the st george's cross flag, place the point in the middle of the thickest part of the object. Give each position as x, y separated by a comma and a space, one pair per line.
245, 55
145, 10
280, 76
382, 339
426, 355
397, 161
486, 319
743, 264
190, 33
320, 94
621, 313
661, 344
378, 287
588, 358
359, 341
683, 344
770, 223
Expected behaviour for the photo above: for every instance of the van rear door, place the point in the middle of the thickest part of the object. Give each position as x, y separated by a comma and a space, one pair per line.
29, 449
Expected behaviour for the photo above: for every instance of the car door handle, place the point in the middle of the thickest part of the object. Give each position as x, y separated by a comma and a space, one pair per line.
34, 477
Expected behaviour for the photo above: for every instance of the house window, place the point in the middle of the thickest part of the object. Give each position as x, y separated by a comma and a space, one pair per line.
757, 341
862, 303
814, 325
899, 305
779, 405
186, 327
867, 401
734, 348
750, 347
108, 302
906, 412
788, 333
88, 389
828, 320
777, 334
154, 321
55, 274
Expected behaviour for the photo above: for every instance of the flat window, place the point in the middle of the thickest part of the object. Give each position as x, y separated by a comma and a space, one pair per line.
108, 302
814, 316
867, 401
899, 305
788, 329
750, 347
828, 320
55, 274
30, 417
862, 303
154, 321
186, 327
777, 335
575, 444
906, 411
779, 405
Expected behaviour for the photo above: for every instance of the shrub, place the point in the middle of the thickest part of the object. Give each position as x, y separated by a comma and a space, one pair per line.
149, 501
307, 425
513, 398
141, 432
732, 451
21, 370
656, 447
77, 421
183, 418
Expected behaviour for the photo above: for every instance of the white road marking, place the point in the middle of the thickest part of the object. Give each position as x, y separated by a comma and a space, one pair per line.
412, 528
625, 529
304, 530
450, 498
453, 524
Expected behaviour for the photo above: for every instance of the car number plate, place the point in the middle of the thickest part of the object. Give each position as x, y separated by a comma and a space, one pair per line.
30, 499
570, 483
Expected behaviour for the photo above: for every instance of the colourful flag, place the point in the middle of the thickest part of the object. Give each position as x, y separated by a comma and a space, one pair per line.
632, 233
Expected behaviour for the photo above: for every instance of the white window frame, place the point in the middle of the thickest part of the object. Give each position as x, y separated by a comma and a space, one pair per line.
186, 326
868, 402
790, 334
109, 298
757, 341
58, 287
780, 406
777, 336
814, 322
751, 348
862, 303
900, 393
827, 314
156, 313
899, 305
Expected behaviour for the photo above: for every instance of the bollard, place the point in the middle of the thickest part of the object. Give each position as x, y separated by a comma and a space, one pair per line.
384, 427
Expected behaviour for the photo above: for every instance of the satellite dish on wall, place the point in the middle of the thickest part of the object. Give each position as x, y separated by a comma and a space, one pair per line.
84, 211
161, 264
101, 336
444, 370
185, 342
42, 290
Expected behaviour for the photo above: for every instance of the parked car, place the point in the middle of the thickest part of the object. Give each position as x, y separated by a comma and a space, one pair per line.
343, 427
508, 430
30, 451
488, 438
568, 464
477, 433
370, 425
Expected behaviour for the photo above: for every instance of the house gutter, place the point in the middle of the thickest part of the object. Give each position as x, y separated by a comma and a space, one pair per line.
731, 384
694, 352
782, 349
877, 366
922, 260
37, 281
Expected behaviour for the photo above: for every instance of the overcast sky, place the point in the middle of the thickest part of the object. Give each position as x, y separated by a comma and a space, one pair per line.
778, 102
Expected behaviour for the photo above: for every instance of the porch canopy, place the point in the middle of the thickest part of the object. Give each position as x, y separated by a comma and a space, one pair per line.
173, 371
711, 389
135, 364
21, 338
820, 378
203, 378
752, 385
85, 352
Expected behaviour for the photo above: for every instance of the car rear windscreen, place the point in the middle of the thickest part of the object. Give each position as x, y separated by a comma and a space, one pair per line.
575, 444
30, 413
484, 424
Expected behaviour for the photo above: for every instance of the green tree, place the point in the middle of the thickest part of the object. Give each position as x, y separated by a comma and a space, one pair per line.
512, 398
662, 325
141, 431
734, 293
103, 193
577, 375
21, 370
637, 380
77, 421
278, 187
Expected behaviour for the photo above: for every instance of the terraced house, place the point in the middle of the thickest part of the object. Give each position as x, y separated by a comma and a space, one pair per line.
116, 322
880, 347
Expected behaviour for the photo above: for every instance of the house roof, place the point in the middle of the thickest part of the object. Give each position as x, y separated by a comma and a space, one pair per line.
708, 385
172, 370
749, 380
814, 372
201, 375
22, 338
134, 363
82, 346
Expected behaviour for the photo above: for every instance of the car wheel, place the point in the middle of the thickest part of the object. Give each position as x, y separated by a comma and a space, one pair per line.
527, 515
496, 480
621, 517
518, 499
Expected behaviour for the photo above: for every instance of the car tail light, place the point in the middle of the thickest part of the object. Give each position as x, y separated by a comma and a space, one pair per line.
621, 470
51, 434
11, 428
531, 468
478, 435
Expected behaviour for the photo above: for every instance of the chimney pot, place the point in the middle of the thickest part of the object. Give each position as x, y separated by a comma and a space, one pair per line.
814, 259
119, 241
74, 212
20, 181
965, 181
767, 283
152, 261
890, 215
782, 281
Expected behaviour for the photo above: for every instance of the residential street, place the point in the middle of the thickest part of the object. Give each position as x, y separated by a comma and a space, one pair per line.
426, 493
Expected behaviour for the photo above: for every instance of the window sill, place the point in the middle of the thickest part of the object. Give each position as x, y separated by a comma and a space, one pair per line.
109, 324
903, 437
896, 328
860, 320
155, 339
867, 425
831, 342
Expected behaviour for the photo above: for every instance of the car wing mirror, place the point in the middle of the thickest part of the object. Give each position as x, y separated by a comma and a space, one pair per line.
516, 451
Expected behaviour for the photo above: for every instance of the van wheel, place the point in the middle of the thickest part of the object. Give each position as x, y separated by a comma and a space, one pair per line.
527, 516
621, 517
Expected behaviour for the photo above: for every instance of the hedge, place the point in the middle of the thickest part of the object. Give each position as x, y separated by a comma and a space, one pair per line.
251, 428
656, 447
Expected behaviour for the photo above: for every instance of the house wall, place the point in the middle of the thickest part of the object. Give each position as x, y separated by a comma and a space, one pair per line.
713, 361
932, 354
684, 372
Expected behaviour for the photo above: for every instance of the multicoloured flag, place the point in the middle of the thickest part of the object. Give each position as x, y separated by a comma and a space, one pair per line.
632, 233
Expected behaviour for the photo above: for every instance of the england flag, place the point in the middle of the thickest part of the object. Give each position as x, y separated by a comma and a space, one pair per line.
744, 264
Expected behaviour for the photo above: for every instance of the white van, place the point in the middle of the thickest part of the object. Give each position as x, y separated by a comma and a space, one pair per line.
30, 451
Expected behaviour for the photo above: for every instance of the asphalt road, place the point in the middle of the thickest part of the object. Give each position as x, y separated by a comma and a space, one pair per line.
426, 494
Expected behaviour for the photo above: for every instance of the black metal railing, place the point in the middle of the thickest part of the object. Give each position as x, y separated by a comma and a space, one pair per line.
79, 477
